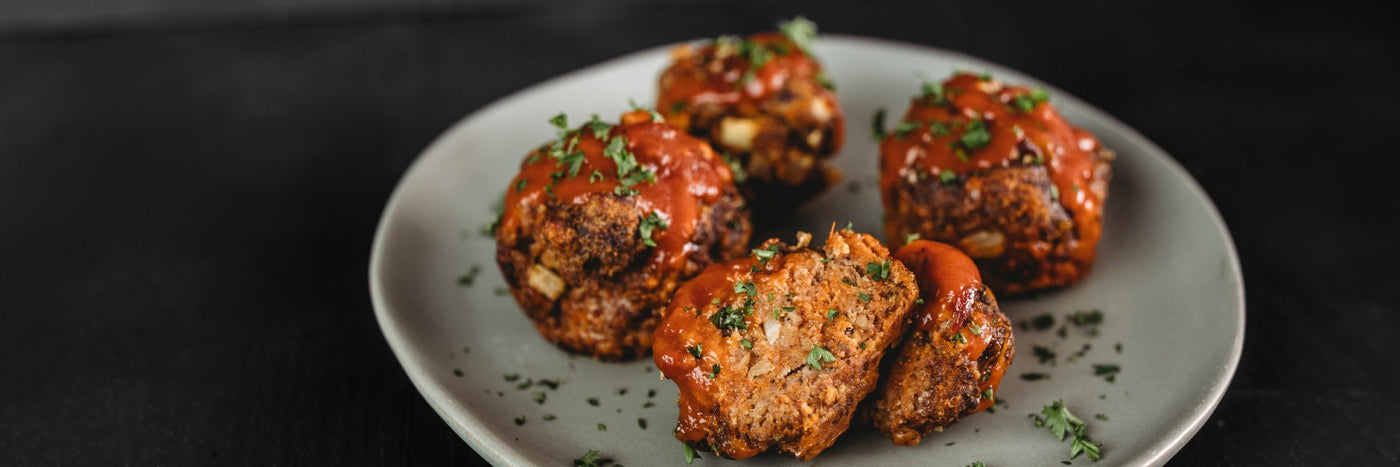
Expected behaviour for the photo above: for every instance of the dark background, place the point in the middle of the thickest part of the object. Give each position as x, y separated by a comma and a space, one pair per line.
188, 192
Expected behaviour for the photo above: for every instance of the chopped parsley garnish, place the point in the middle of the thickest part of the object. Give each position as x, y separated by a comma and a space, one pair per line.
910, 238
919, 301
878, 271
525, 384
959, 338
1054, 192
1061, 422
1080, 354
648, 405
825, 80
1043, 322
690, 454
520, 420
678, 106
602, 427
549, 383
1085, 318
977, 464
539, 397
976, 330
847, 282
863, 297
629, 171
877, 125
757, 56
1034, 376
592, 458
1027, 102
831, 313
573, 161
1082, 444
642, 423
548, 417
457, 372
904, 127
470, 277
765, 254
1108, 371
651, 393
746, 288
1044, 354
735, 166
932, 91
560, 121
975, 136
729, 318
520, 185
595, 177
801, 32
862, 345
1118, 347
938, 129
655, 116
819, 355
695, 350
714, 371
598, 127
745, 343
649, 223
947, 176
621, 391
593, 401
1101, 417
511, 377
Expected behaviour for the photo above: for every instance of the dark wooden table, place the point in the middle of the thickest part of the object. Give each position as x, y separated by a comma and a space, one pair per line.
188, 206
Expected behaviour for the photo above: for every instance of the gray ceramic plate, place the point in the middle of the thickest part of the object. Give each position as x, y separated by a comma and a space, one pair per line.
1167, 281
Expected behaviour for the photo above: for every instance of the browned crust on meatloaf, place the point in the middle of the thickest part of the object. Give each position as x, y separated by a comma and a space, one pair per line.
611, 299
1007, 219
768, 396
932, 383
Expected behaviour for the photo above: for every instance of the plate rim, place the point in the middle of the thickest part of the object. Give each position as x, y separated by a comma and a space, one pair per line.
491, 447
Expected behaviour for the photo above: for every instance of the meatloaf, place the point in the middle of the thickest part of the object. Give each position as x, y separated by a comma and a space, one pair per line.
994, 170
602, 224
765, 103
777, 350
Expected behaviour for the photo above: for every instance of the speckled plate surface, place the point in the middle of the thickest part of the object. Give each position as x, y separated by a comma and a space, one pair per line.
1167, 281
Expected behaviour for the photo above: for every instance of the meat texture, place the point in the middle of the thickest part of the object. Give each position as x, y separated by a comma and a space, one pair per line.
778, 349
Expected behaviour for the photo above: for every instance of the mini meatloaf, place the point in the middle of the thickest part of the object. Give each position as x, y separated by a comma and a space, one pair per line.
602, 225
952, 360
995, 171
778, 349
765, 103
